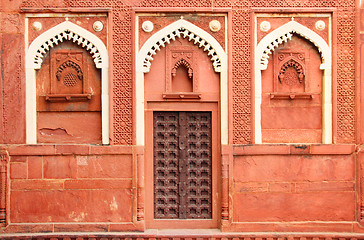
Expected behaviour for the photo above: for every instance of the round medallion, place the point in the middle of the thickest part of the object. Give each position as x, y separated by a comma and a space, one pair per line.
215, 26
37, 26
147, 26
98, 26
320, 25
265, 26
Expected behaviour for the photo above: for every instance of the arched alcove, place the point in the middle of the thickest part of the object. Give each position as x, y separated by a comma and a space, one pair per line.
268, 45
65, 31
199, 37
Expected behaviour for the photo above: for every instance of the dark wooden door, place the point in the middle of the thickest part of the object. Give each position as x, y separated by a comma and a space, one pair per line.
182, 165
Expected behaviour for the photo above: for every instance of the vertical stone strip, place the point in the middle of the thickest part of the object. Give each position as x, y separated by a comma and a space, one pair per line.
4, 158
140, 184
224, 185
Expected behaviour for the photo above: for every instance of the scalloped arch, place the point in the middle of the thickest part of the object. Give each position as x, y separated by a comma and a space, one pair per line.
65, 31
178, 29
284, 33
267, 45
71, 32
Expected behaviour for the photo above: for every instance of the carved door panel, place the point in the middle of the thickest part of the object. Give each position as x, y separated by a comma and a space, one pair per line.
182, 165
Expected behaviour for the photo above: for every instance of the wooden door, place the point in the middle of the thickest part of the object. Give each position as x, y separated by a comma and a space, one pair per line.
182, 144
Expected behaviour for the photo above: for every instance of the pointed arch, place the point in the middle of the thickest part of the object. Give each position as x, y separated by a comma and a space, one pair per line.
284, 33
199, 37
65, 31
267, 46
181, 29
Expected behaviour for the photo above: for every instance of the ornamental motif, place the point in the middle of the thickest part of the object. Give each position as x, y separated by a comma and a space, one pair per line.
285, 72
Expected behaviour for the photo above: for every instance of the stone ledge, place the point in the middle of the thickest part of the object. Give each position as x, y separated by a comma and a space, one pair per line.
294, 149
186, 234
65, 149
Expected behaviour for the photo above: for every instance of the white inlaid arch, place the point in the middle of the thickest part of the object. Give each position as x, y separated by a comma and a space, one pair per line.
181, 29
267, 45
199, 37
65, 31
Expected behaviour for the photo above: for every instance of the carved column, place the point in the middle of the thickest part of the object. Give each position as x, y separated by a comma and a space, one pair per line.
3, 183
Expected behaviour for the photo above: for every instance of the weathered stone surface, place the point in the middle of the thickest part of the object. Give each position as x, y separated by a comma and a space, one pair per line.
71, 206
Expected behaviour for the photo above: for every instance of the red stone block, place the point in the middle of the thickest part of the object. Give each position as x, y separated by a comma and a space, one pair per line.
35, 167
332, 149
299, 149
29, 228
251, 187
36, 184
314, 206
71, 206
98, 184
292, 135
69, 127
263, 149
18, 170
30, 150
18, 158
106, 166
99, 227
314, 227
281, 187
122, 227
291, 117
325, 186
72, 149
252, 227
108, 150
291, 168
59, 167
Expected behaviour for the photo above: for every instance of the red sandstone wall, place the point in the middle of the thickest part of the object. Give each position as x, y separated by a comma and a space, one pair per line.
54, 185
293, 185
55, 188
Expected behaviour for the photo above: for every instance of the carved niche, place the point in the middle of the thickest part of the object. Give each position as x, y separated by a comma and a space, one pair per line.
68, 76
181, 73
290, 75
